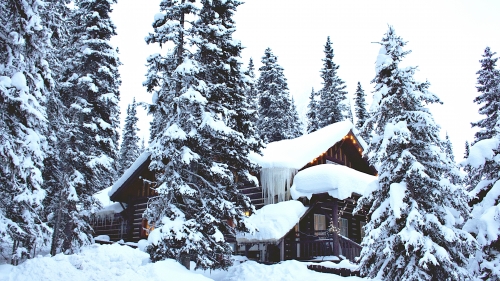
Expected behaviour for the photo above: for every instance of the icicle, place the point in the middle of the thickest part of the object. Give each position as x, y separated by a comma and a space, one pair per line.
276, 182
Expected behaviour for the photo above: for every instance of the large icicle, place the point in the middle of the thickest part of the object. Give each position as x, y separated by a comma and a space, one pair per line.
276, 181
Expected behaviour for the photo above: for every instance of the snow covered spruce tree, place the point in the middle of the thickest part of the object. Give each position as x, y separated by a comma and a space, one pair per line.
312, 112
416, 214
332, 104
483, 164
91, 94
24, 75
129, 149
360, 106
276, 109
252, 94
203, 134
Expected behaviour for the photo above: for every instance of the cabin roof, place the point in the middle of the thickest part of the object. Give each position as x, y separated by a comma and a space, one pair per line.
296, 153
273, 222
130, 174
338, 181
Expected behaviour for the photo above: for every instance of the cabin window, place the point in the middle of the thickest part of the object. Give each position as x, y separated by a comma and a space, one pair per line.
146, 228
344, 226
319, 225
362, 227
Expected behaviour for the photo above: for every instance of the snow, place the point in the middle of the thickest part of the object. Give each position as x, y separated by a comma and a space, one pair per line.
296, 153
272, 222
481, 151
123, 263
284, 271
98, 262
103, 197
397, 194
18, 80
128, 173
336, 180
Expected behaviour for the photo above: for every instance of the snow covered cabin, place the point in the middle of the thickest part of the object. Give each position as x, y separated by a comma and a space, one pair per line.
308, 190
306, 184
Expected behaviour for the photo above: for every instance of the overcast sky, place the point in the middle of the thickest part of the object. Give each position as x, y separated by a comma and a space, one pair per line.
447, 39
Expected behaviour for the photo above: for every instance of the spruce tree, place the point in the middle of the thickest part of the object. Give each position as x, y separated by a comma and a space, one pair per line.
295, 129
129, 149
360, 106
252, 94
25, 78
332, 105
276, 111
91, 94
484, 179
199, 153
312, 112
416, 214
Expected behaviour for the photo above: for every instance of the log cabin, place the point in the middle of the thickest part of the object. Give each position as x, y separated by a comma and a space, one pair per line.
307, 191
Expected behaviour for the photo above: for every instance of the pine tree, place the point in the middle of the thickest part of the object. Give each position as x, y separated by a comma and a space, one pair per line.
275, 105
201, 152
484, 179
415, 231
252, 94
129, 149
91, 95
349, 115
25, 77
312, 112
448, 148
360, 106
332, 106
295, 130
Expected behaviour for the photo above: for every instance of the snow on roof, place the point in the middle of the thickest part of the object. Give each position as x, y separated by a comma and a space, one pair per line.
296, 153
128, 173
273, 222
103, 196
336, 180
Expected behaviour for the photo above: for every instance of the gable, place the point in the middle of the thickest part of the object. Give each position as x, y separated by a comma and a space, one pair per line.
135, 181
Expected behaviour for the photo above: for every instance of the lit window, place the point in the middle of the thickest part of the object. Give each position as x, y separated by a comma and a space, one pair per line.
319, 225
146, 228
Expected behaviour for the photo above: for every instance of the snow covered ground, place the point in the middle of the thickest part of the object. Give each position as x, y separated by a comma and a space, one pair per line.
115, 262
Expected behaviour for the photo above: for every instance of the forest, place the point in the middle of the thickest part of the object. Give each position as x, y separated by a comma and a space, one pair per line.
433, 217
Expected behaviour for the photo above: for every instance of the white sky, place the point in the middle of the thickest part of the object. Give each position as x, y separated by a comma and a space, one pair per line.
447, 39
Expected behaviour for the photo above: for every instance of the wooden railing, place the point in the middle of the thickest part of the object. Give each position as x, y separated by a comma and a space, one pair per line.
349, 248
324, 247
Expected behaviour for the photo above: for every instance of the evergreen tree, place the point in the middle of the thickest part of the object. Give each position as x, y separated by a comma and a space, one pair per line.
203, 136
129, 149
467, 150
25, 76
312, 112
275, 105
252, 94
91, 94
332, 106
483, 165
360, 107
295, 130
415, 231
448, 148
488, 81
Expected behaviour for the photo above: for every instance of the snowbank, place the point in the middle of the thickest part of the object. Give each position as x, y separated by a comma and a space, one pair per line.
273, 222
285, 271
115, 262
128, 173
337, 180
296, 153
98, 262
